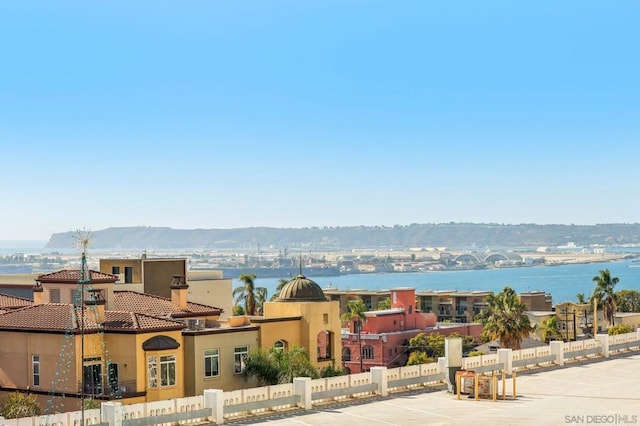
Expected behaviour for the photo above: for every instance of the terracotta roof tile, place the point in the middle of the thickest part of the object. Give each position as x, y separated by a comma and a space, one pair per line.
74, 275
50, 317
131, 301
121, 320
12, 302
62, 317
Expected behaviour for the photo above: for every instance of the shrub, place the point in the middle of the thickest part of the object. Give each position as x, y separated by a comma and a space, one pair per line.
17, 405
619, 329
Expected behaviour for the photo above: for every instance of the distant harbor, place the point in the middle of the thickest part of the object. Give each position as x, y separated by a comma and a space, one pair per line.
283, 272
563, 282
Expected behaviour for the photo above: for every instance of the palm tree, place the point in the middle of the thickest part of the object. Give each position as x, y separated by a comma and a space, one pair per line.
355, 309
504, 319
580, 297
249, 293
281, 283
604, 293
549, 330
261, 297
384, 304
276, 366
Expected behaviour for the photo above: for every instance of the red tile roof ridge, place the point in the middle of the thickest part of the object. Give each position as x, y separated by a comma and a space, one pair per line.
72, 275
8, 301
204, 309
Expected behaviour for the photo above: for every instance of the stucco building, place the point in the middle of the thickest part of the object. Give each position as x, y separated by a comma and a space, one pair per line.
382, 337
88, 340
302, 316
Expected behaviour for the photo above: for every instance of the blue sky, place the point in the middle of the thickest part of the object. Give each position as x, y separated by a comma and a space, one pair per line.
223, 114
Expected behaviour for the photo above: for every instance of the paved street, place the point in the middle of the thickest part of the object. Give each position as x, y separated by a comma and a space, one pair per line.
605, 392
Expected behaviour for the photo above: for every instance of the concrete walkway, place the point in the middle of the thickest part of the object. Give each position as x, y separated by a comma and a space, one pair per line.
603, 392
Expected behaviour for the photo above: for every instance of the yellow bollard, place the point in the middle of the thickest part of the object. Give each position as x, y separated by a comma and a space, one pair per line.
504, 385
458, 383
514, 385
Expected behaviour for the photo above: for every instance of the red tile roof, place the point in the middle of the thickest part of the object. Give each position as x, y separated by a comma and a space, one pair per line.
131, 301
120, 320
60, 317
63, 317
74, 275
12, 302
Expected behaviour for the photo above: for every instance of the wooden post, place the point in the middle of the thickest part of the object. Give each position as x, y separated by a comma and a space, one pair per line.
514, 385
495, 385
475, 384
458, 383
595, 317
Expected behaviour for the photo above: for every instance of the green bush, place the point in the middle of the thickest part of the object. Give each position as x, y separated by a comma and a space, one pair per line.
18, 405
619, 329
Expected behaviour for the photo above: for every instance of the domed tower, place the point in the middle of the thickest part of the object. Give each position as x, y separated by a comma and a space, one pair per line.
302, 316
301, 289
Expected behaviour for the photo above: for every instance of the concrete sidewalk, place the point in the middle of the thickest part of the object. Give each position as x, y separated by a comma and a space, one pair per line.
604, 392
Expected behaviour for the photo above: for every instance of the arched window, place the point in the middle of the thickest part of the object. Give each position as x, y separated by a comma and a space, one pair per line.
346, 354
367, 352
325, 350
280, 345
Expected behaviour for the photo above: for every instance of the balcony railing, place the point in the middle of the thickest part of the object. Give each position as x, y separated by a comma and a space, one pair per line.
109, 391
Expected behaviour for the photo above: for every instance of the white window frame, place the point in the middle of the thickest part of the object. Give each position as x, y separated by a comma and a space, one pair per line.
212, 358
152, 371
167, 375
240, 354
35, 365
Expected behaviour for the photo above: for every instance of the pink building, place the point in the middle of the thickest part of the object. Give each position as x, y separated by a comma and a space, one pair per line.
383, 338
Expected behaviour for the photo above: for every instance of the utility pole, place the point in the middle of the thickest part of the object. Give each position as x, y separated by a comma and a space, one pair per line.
358, 324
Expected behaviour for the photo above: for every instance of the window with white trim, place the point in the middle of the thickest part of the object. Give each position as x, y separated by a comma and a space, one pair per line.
239, 358
168, 370
152, 372
211, 362
35, 363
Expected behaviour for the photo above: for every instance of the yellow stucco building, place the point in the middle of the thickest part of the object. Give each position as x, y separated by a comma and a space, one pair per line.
103, 340
302, 316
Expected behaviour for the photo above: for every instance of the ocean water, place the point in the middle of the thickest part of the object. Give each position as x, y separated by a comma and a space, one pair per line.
562, 282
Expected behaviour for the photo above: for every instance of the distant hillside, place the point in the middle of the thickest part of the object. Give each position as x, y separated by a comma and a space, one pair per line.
451, 235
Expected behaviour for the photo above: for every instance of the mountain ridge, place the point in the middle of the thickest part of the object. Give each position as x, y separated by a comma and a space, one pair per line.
451, 235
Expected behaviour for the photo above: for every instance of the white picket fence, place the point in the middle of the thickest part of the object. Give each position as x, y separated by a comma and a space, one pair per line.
256, 401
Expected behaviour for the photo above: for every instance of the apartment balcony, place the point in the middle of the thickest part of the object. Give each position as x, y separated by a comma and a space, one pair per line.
120, 390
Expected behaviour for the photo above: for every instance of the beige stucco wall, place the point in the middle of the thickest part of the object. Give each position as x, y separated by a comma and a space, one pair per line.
288, 331
630, 319
209, 288
225, 340
27, 279
106, 267
316, 317
160, 393
57, 361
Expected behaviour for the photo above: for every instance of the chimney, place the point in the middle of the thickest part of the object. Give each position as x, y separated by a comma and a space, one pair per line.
38, 294
179, 292
95, 306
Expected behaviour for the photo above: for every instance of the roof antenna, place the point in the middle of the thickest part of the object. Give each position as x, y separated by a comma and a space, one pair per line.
301, 263
83, 240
